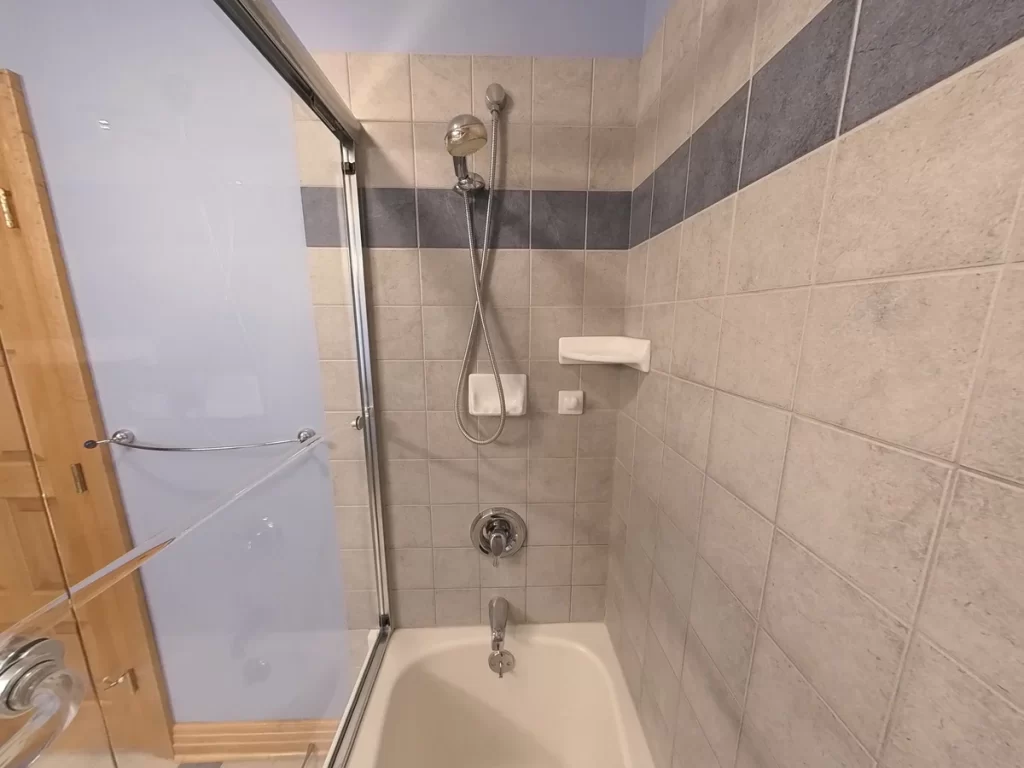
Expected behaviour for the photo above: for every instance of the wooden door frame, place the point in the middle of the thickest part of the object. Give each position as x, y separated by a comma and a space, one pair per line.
53, 384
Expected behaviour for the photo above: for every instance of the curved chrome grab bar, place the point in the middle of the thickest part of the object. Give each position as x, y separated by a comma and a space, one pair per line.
126, 439
33, 679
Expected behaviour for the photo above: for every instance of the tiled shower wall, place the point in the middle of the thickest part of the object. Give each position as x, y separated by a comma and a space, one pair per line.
562, 232
818, 497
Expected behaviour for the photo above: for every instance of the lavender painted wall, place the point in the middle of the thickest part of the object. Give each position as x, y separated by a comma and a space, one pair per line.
499, 27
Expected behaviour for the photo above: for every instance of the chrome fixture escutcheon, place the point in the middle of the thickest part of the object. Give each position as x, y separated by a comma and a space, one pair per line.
498, 532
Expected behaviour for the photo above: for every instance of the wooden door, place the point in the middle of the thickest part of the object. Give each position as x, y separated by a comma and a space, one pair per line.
52, 529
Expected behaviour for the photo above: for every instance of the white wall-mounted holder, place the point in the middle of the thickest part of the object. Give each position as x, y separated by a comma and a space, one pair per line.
609, 350
483, 394
570, 402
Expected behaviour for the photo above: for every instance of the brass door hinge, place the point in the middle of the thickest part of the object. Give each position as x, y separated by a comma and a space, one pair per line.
7, 209
78, 475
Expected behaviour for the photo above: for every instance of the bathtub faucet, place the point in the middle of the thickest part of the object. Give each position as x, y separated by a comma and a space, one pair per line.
497, 610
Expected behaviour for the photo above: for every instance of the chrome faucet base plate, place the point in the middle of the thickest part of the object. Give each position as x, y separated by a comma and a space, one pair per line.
501, 662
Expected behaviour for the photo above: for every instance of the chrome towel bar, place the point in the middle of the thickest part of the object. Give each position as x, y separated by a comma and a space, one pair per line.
126, 439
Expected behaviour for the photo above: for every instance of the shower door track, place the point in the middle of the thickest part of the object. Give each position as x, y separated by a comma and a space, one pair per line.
266, 29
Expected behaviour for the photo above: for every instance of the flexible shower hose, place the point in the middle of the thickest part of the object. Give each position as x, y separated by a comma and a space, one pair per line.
478, 311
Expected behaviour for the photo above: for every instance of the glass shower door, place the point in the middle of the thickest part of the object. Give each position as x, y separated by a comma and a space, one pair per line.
214, 605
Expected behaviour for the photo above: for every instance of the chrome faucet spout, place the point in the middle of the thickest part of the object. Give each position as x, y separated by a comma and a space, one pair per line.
497, 611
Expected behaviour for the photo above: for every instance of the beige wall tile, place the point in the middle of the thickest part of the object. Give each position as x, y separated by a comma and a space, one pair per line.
453, 481
695, 339
589, 565
562, 90
675, 117
433, 163
405, 482
357, 569
734, 541
650, 72
682, 31
502, 481
688, 420
636, 274
444, 332
778, 21
553, 435
726, 47
615, 91
717, 711
399, 385
511, 571
761, 336
329, 275
441, 378
691, 748
548, 325
1017, 238
508, 284
557, 278
411, 569
662, 266
447, 277
972, 606
550, 524
515, 75
551, 480
339, 383
450, 523
777, 222
645, 145
868, 510
704, 251
334, 64
380, 86
394, 276
647, 454
681, 485
748, 446
597, 433
348, 481
319, 155
611, 157
547, 604
515, 153
995, 433
797, 727
724, 627
403, 435
456, 568
398, 333
405, 527
334, 332
650, 403
668, 624
587, 603
561, 157
848, 648
444, 440
658, 326
440, 87
457, 607
413, 607
950, 166
387, 155
657, 733
604, 280
660, 680
594, 479
944, 718
893, 359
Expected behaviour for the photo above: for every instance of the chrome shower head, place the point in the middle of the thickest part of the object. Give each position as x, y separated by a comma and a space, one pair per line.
465, 135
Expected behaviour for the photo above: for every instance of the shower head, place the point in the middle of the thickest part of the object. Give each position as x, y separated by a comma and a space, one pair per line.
465, 135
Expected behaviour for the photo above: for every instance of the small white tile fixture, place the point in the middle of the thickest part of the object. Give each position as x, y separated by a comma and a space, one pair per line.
587, 350
483, 394
570, 402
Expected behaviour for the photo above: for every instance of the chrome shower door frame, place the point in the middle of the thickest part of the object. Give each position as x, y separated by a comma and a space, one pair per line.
266, 29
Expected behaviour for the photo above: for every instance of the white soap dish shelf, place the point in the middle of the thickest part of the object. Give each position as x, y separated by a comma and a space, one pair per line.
607, 350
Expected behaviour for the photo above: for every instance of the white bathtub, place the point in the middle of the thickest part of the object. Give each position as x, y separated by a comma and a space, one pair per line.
436, 704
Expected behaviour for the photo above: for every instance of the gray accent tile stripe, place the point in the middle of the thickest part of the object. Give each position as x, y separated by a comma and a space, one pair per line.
670, 190
510, 221
715, 155
442, 217
558, 220
323, 214
794, 98
905, 46
608, 221
389, 217
901, 48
